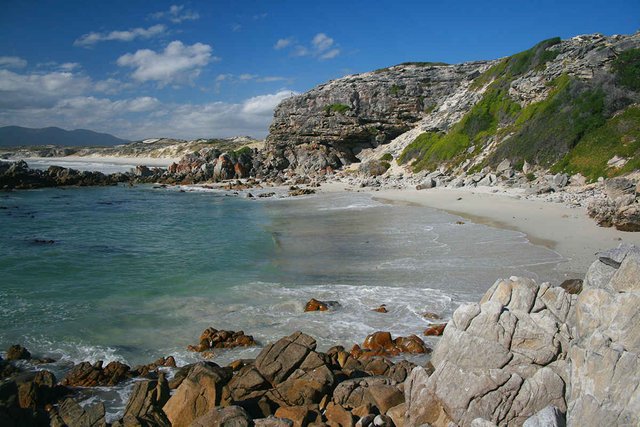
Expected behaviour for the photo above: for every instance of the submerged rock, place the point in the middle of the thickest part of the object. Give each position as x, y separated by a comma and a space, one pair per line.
316, 305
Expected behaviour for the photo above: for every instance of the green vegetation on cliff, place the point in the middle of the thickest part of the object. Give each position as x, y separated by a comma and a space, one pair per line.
574, 129
492, 112
627, 69
619, 136
336, 108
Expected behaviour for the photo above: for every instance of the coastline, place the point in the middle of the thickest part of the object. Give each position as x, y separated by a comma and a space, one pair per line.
566, 230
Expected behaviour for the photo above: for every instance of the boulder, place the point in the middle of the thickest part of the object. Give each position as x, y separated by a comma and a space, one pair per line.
572, 286
382, 344
71, 414
337, 416
17, 352
87, 375
426, 184
223, 169
212, 338
397, 414
272, 421
301, 416
627, 218
436, 329
230, 416
605, 352
306, 385
199, 393
146, 402
503, 166
278, 360
354, 393
509, 353
619, 187
547, 417
316, 305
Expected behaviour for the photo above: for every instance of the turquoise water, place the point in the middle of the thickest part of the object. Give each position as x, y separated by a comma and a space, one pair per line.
137, 273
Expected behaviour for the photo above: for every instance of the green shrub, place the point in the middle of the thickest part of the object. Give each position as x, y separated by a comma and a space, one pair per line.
627, 69
336, 108
396, 89
387, 157
619, 136
530, 176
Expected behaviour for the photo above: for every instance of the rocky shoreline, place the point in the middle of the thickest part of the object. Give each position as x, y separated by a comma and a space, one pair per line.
528, 354
612, 202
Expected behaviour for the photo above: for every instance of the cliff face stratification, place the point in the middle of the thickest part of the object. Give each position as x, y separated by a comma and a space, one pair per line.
332, 123
544, 106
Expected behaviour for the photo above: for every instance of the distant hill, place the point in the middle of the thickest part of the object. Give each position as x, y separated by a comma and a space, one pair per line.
16, 136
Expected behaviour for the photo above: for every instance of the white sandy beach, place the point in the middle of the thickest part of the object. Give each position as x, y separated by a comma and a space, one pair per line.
568, 231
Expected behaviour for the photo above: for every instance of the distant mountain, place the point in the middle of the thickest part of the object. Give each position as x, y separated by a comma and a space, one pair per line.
16, 136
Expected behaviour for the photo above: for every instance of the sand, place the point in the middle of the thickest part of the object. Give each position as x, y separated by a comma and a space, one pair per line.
568, 231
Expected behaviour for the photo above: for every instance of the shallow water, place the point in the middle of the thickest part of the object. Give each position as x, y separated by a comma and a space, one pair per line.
138, 273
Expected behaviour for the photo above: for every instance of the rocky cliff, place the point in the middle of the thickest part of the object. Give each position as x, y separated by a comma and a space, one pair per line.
548, 106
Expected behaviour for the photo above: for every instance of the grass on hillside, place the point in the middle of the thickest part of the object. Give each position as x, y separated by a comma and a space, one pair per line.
619, 136
336, 108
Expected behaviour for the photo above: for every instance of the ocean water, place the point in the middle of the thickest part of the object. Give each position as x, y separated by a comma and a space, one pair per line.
138, 273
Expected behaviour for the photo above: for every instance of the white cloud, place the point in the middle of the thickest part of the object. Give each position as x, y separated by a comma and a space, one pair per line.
146, 117
270, 79
92, 38
177, 14
265, 104
282, 43
322, 47
322, 42
247, 76
39, 89
330, 54
69, 66
178, 63
12, 62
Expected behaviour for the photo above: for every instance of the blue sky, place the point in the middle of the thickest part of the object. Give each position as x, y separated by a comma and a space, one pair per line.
142, 69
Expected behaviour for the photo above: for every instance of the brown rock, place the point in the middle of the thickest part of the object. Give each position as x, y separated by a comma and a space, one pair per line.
411, 344
146, 402
86, 375
363, 410
431, 316
436, 329
377, 366
397, 414
72, 414
18, 352
377, 341
144, 370
245, 382
385, 396
198, 394
337, 416
381, 309
316, 305
272, 421
213, 338
301, 416
572, 286
278, 360
382, 344
230, 416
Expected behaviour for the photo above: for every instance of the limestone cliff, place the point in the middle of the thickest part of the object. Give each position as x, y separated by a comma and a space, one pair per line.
541, 106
